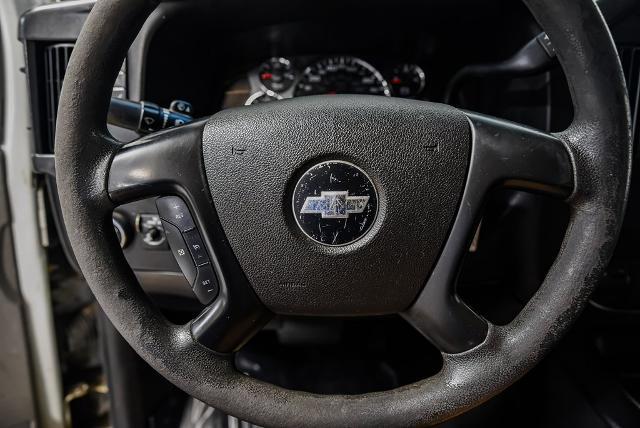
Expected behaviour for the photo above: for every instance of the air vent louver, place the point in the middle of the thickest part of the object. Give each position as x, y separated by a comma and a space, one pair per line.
630, 58
56, 59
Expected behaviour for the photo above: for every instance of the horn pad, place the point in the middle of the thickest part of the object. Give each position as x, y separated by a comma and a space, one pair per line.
337, 205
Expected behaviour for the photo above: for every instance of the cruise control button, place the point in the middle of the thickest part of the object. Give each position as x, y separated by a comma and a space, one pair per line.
206, 286
196, 247
175, 211
180, 251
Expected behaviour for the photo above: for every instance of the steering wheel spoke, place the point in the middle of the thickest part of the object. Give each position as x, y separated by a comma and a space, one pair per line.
515, 156
502, 154
165, 162
170, 163
230, 321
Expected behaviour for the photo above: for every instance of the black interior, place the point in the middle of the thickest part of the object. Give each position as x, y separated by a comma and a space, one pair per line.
195, 51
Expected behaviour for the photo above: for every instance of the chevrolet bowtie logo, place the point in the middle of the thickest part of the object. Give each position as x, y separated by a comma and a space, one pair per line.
334, 204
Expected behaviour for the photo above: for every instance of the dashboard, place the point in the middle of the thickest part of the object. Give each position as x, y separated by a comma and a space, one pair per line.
223, 54
216, 54
192, 51
278, 78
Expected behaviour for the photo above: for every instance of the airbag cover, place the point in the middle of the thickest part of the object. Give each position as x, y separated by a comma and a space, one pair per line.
415, 153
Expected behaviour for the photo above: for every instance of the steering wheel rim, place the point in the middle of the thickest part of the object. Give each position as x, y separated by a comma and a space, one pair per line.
598, 150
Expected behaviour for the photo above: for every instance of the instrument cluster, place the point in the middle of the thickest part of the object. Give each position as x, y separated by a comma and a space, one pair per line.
278, 78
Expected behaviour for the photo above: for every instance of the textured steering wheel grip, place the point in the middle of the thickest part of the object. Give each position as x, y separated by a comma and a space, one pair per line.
598, 139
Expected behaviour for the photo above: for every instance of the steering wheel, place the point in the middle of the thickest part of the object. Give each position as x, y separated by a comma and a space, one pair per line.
341, 205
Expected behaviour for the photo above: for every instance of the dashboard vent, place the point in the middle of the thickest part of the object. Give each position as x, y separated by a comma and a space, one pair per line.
56, 59
630, 58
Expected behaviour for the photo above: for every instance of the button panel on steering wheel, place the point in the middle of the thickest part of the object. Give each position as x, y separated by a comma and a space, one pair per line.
188, 248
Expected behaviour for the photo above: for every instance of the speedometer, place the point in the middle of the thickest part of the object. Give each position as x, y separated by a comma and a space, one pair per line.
342, 75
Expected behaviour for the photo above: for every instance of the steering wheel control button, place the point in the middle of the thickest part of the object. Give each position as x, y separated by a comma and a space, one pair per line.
206, 286
196, 247
335, 203
180, 251
175, 211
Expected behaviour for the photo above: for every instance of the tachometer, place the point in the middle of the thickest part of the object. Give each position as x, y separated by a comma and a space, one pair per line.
342, 75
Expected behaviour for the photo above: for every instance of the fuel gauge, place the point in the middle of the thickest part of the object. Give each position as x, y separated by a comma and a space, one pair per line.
407, 80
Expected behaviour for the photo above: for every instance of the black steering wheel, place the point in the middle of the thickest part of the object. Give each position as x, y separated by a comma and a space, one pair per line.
264, 187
